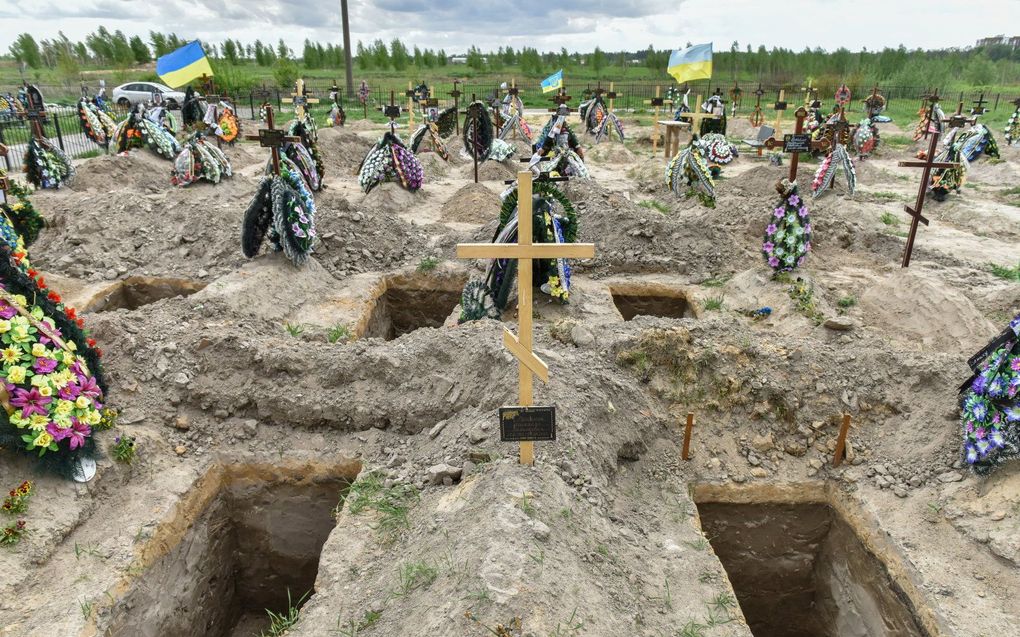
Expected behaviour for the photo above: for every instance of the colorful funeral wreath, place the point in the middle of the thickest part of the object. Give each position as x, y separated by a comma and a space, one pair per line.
97, 124
557, 149
688, 174
390, 160
837, 160
718, 149
977, 140
46, 166
284, 209
138, 130
478, 144
51, 382
305, 129
866, 138
788, 235
554, 221
990, 403
197, 160
1012, 133
25, 221
512, 111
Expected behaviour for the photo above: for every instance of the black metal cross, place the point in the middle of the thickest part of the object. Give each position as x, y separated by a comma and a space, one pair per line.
926, 166
36, 113
979, 105
473, 114
561, 99
455, 94
272, 138
757, 118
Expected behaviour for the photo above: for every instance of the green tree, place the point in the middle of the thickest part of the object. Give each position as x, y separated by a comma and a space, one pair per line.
398, 55
26, 49
310, 55
442, 58
475, 59
597, 61
139, 51
363, 57
123, 56
285, 72
282, 51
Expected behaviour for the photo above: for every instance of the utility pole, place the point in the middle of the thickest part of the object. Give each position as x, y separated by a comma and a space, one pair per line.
347, 47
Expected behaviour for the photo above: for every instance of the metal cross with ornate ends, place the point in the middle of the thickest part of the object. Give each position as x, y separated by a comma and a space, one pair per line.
525, 252
926, 166
36, 113
797, 143
299, 99
756, 118
272, 138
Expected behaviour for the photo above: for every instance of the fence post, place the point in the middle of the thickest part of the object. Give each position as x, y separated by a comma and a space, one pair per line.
996, 107
251, 102
56, 125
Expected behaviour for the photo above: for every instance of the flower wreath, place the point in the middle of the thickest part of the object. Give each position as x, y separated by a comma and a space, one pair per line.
305, 129
990, 403
284, 209
788, 235
51, 383
1012, 133
866, 138
229, 124
513, 118
838, 159
843, 95
390, 160
688, 174
429, 130
199, 160
98, 126
489, 297
304, 163
978, 139
558, 150
46, 166
481, 145
718, 149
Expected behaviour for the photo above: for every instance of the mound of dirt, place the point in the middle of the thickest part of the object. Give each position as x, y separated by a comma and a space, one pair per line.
488, 171
918, 310
342, 151
611, 153
474, 203
139, 170
435, 167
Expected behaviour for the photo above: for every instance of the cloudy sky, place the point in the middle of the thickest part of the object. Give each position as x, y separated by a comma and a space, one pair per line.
545, 24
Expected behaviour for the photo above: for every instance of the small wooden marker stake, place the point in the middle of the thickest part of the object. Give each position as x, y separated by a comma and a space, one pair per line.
299, 99
840, 455
525, 252
272, 138
686, 453
410, 104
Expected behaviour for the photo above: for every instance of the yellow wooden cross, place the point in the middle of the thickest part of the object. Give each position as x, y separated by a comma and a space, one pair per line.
779, 112
525, 252
299, 99
410, 105
697, 114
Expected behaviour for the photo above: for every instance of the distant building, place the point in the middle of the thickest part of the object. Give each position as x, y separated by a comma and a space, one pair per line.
995, 40
458, 59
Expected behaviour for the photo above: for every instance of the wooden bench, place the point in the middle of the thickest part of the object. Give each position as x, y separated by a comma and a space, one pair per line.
671, 136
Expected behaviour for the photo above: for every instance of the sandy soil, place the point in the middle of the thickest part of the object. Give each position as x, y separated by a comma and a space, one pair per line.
603, 536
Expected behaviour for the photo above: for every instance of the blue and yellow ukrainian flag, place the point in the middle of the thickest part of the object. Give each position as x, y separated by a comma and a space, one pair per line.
553, 83
183, 65
694, 63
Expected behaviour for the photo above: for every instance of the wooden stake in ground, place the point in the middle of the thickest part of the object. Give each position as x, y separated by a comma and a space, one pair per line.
658, 103
525, 252
299, 99
780, 108
686, 453
272, 138
840, 454
797, 143
410, 104
926, 166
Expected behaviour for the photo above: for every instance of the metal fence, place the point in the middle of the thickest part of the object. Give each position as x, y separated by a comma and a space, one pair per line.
62, 126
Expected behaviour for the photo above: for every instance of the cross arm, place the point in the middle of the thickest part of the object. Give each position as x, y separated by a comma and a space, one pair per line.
924, 164
913, 213
525, 356
534, 251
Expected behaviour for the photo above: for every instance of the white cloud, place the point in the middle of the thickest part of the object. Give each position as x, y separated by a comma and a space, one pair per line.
574, 24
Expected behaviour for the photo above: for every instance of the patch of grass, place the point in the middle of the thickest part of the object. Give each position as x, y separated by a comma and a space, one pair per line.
569, 628
898, 141
525, 504
87, 549
124, 449
804, 297
413, 576
339, 333
692, 629
390, 503
353, 627
890, 219
89, 154
714, 303
652, 204
885, 195
700, 544
280, 623
1010, 274
428, 264
293, 330
86, 608
538, 558
846, 302
716, 281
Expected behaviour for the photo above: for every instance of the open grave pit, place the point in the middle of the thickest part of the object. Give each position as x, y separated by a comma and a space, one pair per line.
404, 303
652, 299
246, 540
138, 291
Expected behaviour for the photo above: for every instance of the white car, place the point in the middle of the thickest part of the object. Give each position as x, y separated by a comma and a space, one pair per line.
127, 95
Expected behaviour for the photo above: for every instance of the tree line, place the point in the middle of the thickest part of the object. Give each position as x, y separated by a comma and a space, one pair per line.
991, 65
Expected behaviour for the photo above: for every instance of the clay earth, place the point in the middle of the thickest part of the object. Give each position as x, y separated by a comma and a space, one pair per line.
259, 393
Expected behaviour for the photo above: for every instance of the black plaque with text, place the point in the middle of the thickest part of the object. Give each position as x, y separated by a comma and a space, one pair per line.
797, 143
271, 138
527, 424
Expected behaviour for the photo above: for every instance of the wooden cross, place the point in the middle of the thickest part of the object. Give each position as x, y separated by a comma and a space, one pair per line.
455, 94
780, 108
515, 92
525, 252
696, 115
410, 104
272, 138
838, 132
392, 110
736, 93
209, 87
797, 143
299, 99
36, 113
756, 118
658, 103
926, 166
979, 105
810, 93
474, 133
560, 99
